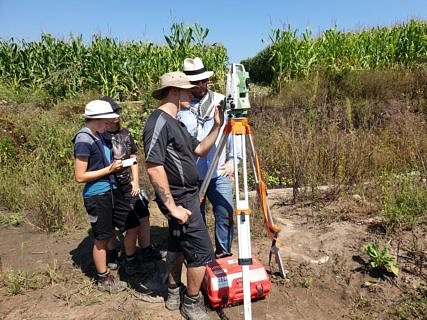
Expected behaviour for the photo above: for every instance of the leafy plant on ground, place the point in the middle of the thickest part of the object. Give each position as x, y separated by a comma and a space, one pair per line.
380, 259
53, 272
14, 219
306, 282
17, 281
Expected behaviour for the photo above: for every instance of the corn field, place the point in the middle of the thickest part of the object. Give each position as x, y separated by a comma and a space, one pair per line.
123, 70
294, 56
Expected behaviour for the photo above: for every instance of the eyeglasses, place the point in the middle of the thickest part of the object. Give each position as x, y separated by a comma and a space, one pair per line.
198, 81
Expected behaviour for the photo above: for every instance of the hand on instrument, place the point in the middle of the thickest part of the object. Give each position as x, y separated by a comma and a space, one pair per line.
219, 115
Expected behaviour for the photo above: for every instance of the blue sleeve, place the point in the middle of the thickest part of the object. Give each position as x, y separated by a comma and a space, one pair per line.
82, 145
189, 119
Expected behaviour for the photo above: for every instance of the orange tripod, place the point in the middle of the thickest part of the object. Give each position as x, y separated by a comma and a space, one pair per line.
241, 133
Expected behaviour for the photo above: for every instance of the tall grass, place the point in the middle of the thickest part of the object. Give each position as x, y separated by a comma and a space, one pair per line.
37, 174
304, 139
338, 128
291, 55
122, 70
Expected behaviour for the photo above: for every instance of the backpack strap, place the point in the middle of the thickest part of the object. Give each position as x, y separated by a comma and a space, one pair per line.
99, 143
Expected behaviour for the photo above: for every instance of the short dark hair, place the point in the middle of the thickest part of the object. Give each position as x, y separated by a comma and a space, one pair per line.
113, 103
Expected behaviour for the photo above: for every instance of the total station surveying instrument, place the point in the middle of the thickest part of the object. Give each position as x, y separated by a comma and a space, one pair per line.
236, 105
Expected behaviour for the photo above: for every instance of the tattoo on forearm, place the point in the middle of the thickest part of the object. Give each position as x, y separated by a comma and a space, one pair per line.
161, 192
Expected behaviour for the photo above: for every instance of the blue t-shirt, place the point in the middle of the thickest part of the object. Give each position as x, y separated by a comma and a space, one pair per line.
98, 152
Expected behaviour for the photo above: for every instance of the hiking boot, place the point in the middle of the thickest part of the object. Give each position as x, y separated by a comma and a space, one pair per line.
150, 253
194, 308
110, 284
137, 267
113, 259
175, 297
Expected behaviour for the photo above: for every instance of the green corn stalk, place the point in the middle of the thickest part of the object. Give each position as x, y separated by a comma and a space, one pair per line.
123, 70
292, 55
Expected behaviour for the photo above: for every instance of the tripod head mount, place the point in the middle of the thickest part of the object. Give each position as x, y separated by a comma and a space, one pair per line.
237, 91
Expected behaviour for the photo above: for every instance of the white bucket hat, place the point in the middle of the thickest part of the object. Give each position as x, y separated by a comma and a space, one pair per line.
175, 79
195, 70
98, 109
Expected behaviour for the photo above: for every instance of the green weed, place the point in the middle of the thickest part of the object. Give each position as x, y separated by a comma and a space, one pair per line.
53, 272
14, 219
380, 259
17, 281
306, 282
413, 305
404, 200
11, 190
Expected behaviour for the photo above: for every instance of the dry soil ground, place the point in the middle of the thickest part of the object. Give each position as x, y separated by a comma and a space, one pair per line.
328, 277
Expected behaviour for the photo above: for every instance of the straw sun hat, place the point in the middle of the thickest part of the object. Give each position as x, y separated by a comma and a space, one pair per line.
172, 79
195, 70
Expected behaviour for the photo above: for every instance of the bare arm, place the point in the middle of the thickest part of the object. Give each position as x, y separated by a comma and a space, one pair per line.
135, 176
82, 175
159, 180
206, 144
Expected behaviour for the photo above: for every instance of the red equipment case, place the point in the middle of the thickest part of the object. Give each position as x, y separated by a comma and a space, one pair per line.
223, 283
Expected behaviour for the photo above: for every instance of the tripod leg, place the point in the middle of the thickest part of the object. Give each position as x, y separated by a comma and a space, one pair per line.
272, 229
243, 222
213, 165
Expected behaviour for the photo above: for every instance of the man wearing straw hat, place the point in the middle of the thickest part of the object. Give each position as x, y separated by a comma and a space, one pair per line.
169, 150
199, 119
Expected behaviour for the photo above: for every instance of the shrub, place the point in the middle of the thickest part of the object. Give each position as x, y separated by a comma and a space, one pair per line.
404, 200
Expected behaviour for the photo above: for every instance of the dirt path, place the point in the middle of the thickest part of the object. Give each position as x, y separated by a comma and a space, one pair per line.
323, 257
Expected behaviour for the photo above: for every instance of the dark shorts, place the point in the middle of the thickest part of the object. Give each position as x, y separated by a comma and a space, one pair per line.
138, 205
192, 239
103, 216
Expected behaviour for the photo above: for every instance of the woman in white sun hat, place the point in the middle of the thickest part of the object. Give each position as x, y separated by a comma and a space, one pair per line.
105, 204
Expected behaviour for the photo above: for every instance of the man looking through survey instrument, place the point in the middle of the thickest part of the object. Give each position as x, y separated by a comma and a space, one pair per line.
199, 119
